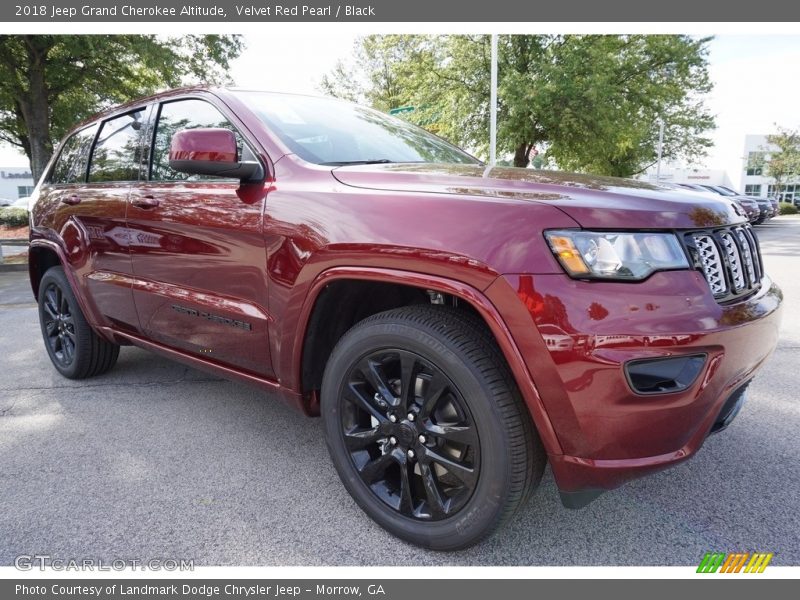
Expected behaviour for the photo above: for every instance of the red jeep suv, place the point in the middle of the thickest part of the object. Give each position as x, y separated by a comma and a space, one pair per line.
457, 326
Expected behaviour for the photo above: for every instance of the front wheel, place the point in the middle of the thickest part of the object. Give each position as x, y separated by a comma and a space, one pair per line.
75, 350
426, 427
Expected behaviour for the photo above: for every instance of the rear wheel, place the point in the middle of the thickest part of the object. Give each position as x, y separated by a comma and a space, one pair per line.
75, 350
426, 427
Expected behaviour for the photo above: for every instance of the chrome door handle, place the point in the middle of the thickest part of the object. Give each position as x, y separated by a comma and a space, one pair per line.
72, 199
146, 202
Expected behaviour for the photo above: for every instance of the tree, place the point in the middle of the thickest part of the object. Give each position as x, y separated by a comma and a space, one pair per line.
586, 102
782, 158
50, 82
386, 65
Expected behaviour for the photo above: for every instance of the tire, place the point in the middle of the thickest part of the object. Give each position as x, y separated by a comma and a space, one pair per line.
480, 456
75, 350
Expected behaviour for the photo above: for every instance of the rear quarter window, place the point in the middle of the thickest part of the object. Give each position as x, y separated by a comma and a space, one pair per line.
71, 164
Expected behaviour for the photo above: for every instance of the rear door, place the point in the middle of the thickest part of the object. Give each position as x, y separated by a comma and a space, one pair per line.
87, 192
197, 251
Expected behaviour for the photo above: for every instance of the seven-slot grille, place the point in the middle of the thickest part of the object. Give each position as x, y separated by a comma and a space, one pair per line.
729, 258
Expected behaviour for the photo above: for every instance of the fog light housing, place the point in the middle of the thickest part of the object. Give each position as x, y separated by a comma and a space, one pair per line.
664, 375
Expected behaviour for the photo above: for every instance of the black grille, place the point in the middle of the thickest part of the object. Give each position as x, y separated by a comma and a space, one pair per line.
729, 258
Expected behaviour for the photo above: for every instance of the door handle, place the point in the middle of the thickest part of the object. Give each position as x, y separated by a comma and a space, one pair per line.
72, 199
145, 202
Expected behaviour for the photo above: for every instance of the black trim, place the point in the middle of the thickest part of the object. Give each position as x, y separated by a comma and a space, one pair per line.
730, 409
690, 370
579, 499
245, 171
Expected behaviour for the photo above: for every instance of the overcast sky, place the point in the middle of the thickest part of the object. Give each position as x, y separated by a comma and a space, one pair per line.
755, 77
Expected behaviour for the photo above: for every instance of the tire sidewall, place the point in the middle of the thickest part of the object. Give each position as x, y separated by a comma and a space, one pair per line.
484, 509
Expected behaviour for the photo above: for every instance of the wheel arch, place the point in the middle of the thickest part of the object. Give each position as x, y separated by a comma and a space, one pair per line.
45, 254
305, 353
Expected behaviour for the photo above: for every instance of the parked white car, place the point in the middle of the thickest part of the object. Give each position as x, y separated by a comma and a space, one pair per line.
23, 202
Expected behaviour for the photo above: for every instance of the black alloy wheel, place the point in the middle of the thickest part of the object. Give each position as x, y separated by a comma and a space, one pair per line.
426, 427
75, 350
59, 325
410, 434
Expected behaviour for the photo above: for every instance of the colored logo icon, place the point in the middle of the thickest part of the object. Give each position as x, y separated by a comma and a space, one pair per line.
734, 562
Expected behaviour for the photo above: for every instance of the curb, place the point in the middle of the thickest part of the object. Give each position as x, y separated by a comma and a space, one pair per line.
4, 267
14, 267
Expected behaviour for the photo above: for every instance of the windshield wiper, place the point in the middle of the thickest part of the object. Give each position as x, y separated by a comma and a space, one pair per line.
344, 163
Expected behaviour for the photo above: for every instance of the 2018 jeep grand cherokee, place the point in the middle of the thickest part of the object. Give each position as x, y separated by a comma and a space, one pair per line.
457, 326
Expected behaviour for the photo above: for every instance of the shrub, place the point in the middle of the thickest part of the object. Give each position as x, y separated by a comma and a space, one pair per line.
787, 208
13, 217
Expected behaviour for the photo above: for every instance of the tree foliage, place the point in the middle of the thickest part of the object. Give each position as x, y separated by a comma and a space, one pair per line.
782, 158
585, 102
50, 82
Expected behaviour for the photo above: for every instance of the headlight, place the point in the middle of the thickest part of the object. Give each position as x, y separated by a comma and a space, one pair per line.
615, 255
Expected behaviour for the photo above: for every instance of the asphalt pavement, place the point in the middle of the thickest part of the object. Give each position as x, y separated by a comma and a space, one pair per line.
156, 460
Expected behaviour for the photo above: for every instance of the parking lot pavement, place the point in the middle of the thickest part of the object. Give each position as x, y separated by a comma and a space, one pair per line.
154, 460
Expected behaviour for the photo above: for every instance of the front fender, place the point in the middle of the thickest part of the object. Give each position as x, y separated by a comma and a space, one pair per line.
290, 363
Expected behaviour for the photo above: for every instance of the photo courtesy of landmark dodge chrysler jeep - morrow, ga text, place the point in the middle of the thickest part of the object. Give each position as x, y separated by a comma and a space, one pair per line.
456, 326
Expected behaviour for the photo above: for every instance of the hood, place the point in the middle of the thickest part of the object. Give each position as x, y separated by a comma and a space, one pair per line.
594, 202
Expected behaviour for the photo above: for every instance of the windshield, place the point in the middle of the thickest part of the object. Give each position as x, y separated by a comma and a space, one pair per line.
719, 190
727, 189
331, 132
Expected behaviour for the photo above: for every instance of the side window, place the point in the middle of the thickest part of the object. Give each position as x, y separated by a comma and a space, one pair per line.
117, 152
71, 164
184, 114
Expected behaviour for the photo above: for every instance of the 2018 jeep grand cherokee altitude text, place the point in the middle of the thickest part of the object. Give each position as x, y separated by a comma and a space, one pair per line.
456, 326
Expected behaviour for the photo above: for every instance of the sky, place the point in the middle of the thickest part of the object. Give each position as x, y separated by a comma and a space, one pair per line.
756, 83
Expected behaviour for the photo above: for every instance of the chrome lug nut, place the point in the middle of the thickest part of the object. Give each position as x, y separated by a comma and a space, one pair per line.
410, 454
393, 440
422, 439
393, 418
411, 416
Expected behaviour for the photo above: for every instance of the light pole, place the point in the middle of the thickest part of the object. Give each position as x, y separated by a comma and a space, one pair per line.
493, 106
660, 148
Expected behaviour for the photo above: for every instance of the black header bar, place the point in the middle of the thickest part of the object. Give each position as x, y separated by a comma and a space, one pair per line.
387, 589
379, 11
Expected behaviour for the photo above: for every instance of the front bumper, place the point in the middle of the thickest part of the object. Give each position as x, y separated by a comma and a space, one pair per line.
584, 335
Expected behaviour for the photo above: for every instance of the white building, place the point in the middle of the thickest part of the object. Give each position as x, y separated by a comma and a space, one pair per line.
754, 182
671, 173
15, 182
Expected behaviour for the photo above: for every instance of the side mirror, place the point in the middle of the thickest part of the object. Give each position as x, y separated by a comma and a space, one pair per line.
211, 152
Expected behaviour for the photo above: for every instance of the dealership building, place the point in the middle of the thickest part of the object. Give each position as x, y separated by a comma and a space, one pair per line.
754, 181
15, 182
675, 174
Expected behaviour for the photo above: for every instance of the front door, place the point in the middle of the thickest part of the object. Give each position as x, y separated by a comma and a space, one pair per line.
113, 170
197, 251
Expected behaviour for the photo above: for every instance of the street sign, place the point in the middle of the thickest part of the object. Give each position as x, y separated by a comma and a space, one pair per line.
402, 109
